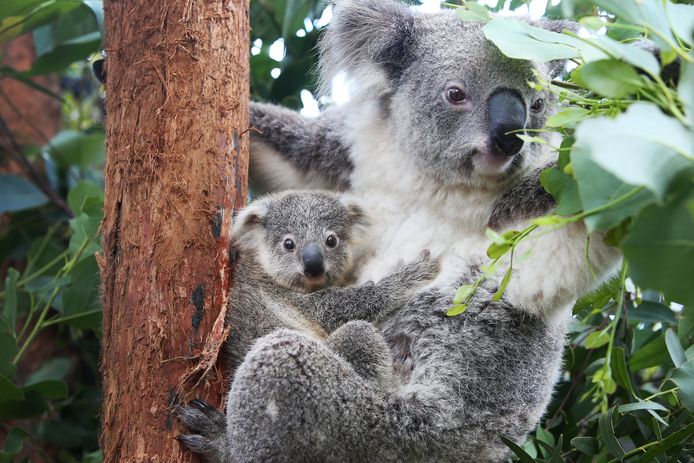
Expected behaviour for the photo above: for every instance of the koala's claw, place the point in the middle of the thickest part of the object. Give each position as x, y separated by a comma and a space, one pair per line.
209, 427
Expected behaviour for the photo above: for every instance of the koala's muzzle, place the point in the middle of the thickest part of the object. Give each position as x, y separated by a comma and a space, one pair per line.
313, 261
506, 118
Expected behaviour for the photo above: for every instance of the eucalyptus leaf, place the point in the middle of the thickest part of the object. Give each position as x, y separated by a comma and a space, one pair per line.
642, 147
659, 247
18, 193
684, 378
610, 78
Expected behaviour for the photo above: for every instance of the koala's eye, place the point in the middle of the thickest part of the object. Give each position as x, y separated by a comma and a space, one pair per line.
331, 241
454, 94
538, 105
289, 244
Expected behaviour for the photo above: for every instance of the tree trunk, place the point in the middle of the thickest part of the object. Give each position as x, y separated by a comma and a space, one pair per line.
176, 169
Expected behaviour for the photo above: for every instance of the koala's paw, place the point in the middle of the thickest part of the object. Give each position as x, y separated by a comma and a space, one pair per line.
422, 270
208, 428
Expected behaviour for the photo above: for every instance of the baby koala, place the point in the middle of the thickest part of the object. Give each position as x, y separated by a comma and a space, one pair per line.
295, 256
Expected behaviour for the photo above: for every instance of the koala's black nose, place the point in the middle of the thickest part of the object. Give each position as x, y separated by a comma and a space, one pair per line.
506, 114
313, 261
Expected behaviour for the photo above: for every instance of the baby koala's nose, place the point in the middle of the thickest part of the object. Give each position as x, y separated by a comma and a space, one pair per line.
313, 261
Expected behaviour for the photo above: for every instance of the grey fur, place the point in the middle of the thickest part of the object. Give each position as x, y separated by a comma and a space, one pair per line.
271, 292
462, 380
526, 199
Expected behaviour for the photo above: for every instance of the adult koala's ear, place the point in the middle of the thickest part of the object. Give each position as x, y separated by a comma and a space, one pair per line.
248, 223
556, 67
366, 36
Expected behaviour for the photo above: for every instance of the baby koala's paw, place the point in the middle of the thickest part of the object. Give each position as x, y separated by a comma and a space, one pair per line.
208, 428
424, 269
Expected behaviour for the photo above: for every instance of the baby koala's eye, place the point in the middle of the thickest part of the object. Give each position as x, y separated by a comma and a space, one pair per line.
289, 244
331, 241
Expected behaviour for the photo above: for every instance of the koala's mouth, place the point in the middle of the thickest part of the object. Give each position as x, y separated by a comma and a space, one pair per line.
314, 283
493, 166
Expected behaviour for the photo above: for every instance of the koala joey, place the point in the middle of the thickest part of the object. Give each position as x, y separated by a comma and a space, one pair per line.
295, 254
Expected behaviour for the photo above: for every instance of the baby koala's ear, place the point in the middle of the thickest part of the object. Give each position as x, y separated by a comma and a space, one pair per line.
249, 220
358, 219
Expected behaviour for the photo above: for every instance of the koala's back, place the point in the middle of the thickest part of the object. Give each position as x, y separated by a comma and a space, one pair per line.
259, 306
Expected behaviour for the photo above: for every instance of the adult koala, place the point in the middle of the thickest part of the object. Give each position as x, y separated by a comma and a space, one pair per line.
424, 145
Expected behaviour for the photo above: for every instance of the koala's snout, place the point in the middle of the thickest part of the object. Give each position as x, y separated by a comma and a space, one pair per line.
506, 118
313, 261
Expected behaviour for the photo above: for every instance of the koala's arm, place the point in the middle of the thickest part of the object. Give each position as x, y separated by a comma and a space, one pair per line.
560, 265
333, 307
290, 151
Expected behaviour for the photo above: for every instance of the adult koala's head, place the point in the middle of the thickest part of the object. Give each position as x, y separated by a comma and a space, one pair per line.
452, 100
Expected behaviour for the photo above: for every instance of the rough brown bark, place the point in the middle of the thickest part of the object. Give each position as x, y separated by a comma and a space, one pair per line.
176, 169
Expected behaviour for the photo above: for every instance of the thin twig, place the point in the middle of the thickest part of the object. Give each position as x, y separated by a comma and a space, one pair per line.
15, 151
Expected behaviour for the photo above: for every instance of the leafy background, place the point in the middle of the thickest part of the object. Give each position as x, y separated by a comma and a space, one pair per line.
626, 169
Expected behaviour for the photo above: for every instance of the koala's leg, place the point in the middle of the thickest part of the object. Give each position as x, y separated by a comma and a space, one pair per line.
360, 344
289, 151
208, 428
295, 400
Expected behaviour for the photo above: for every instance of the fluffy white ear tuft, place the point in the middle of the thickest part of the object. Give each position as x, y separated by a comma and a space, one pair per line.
358, 218
248, 222
366, 37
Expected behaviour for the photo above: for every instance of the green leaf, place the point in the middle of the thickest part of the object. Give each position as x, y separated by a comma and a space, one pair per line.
641, 406
18, 193
652, 312
502, 287
73, 148
586, 445
9, 391
473, 12
85, 226
32, 405
65, 54
646, 13
568, 117
54, 369
607, 435
519, 40
618, 365
517, 450
495, 251
652, 354
597, 339
456, 310
81, 191
20, 16
82, 296
563, 188
14, 442
610, 78
684, 378
660, 245
640, 147
8, 348
597, 187
11, 297
50, 389
463, 293
676, 438
674, 348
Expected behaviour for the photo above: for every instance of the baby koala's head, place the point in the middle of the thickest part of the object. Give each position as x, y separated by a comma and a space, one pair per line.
302, 239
